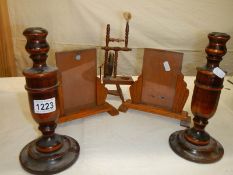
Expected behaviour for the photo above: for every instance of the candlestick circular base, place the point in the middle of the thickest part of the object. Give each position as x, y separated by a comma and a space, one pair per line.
37, 162
209, 153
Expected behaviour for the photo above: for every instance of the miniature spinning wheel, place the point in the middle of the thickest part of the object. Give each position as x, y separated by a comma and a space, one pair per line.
111, 60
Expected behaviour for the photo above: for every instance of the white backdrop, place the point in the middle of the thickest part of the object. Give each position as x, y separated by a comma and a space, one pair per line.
173, 25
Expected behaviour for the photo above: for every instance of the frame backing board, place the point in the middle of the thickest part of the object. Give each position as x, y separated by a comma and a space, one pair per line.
81, 92
78, 76
158, 86
161, 88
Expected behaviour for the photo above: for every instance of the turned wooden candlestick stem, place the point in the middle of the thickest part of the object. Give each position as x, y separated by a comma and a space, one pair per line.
195, 144
58, 152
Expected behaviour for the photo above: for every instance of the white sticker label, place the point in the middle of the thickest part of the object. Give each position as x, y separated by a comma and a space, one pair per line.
219, 72
78, 57
166, 66
44, 106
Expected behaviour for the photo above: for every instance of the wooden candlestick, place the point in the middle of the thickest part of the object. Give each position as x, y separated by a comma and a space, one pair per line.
51, 153
195, 144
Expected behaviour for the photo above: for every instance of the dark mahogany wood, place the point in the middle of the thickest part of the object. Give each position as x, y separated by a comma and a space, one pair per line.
111, 60
159, 91
51, 153
195, 144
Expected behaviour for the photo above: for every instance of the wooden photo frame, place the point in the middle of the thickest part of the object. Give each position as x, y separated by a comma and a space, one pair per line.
161, 88
81, 92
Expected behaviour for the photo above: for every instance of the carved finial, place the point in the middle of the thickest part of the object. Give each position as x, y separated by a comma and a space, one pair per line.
37, 45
